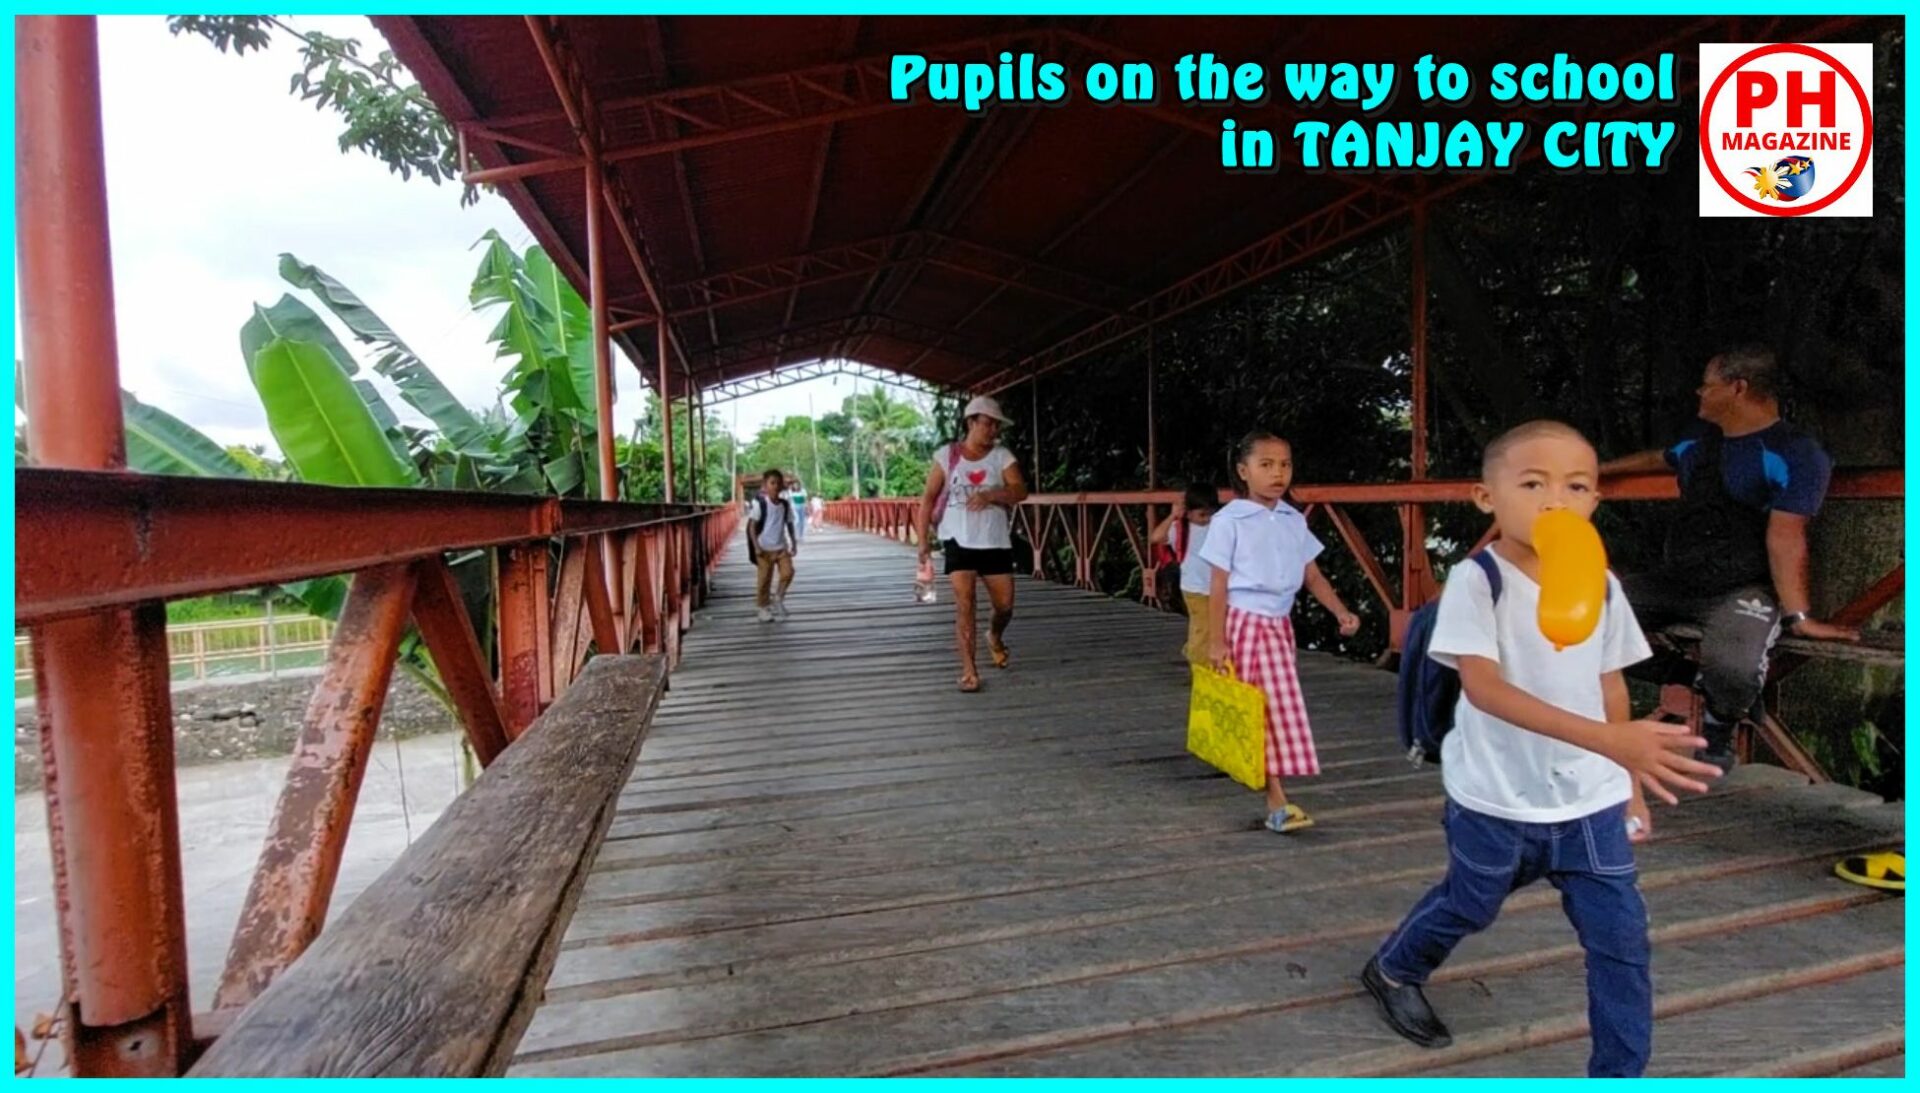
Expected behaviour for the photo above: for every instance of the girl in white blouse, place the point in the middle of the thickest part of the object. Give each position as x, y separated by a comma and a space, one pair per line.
1262, 554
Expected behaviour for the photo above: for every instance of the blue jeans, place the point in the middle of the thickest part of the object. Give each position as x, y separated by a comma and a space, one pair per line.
1591, 862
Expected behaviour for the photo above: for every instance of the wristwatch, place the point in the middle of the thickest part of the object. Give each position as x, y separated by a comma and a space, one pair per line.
1788, 622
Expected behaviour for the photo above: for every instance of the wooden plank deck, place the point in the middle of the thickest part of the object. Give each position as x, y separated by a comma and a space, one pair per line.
829, 862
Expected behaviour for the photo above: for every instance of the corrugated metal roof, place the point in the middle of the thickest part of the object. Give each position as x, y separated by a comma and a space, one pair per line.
756, 151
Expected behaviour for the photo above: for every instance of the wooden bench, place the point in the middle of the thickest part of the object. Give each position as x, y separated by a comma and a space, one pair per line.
436, 969
1683, 703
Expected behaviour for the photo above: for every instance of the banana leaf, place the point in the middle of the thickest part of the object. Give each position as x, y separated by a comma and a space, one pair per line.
416, 382
159, 443
291, 319
569, 325
321, 423
566, 473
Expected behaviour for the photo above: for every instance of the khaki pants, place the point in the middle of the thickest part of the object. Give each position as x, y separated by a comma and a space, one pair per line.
765, 562
1197, 608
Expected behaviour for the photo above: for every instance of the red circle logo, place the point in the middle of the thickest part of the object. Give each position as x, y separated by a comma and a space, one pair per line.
1796, 208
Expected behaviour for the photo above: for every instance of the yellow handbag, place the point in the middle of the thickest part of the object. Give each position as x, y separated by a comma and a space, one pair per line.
1227, 726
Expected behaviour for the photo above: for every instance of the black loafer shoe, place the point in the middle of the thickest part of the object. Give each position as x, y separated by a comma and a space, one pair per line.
1725, 760
1719, 749
1405, 1008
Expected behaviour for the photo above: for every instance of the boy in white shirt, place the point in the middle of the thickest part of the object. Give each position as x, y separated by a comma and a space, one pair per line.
772, 541
1544, 767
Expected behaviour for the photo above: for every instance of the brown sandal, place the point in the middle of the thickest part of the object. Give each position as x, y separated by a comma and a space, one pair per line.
1001, 658
969, 684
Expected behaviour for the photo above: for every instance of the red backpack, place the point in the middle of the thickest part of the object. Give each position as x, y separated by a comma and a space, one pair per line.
1165, 555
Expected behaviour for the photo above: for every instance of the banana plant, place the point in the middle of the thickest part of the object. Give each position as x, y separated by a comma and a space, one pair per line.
159, 443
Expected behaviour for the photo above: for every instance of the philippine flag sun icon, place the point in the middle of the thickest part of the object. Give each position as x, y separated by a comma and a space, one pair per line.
1786, 129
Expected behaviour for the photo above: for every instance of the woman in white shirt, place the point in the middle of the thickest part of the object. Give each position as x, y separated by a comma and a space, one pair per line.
968, 505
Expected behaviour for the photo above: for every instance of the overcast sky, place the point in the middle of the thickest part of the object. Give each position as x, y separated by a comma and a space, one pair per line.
213, 170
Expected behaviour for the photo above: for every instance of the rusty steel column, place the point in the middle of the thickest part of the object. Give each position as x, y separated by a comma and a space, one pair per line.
101, 681
602, 348
602, 351
1419, 324
293, 884
666, 411
1153, 455
521, 588
1036, 432
1415, 579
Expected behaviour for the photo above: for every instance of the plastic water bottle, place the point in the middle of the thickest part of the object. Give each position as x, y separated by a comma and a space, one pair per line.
923, 582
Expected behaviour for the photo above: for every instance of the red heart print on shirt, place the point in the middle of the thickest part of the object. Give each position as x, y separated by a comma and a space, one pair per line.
976, 477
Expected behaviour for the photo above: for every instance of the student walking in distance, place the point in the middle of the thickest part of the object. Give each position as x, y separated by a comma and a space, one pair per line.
972, 487
1185, 532
1545, 768
772, 541
1262, 555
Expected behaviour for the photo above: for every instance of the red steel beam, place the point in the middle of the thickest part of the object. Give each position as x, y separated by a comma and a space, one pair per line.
102, 683
1333, 224
748, 284
829, 331
1339, 222
1853, 484
96, 539
606, 631
788, 375
91, 539
1883, 592
581, 113
293, 884
758, 106
1086, 216
443, 621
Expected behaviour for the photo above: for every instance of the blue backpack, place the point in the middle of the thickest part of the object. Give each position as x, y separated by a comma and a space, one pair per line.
1429, 690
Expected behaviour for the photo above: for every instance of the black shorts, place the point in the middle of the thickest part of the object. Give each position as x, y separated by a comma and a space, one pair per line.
986, 563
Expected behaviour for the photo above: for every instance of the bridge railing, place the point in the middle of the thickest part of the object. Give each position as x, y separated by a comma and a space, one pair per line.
1071, 533
98, 554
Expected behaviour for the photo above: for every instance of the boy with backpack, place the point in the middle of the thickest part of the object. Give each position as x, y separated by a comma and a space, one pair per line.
1544, 766
772, 541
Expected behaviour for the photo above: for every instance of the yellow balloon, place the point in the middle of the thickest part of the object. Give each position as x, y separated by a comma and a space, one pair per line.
1573, 576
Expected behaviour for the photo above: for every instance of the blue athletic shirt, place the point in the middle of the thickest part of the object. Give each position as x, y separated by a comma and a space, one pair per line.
1777, 468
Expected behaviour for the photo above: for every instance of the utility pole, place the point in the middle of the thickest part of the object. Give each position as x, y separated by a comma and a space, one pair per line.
814, 431
854, 442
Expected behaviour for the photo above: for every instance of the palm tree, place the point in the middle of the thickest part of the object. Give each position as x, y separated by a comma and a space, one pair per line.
887, 424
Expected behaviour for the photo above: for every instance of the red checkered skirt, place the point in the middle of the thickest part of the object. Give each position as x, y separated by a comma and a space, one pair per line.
1263, 655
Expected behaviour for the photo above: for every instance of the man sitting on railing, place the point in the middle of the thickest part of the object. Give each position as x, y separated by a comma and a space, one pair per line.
1736, 553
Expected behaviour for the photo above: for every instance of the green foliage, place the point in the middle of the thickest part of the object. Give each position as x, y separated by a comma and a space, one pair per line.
255, 462
890, 439
382, 113
321, 422
159, 443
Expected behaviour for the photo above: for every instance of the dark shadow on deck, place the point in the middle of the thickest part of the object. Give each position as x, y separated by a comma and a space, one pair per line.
830, 862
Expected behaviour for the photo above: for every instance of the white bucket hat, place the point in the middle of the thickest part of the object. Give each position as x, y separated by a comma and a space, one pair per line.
988, 406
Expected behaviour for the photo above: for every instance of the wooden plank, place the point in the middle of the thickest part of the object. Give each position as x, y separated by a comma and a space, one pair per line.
1225, 1016
869, 873
434, 971
1811, 1031
1891, 1066
1232, 920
